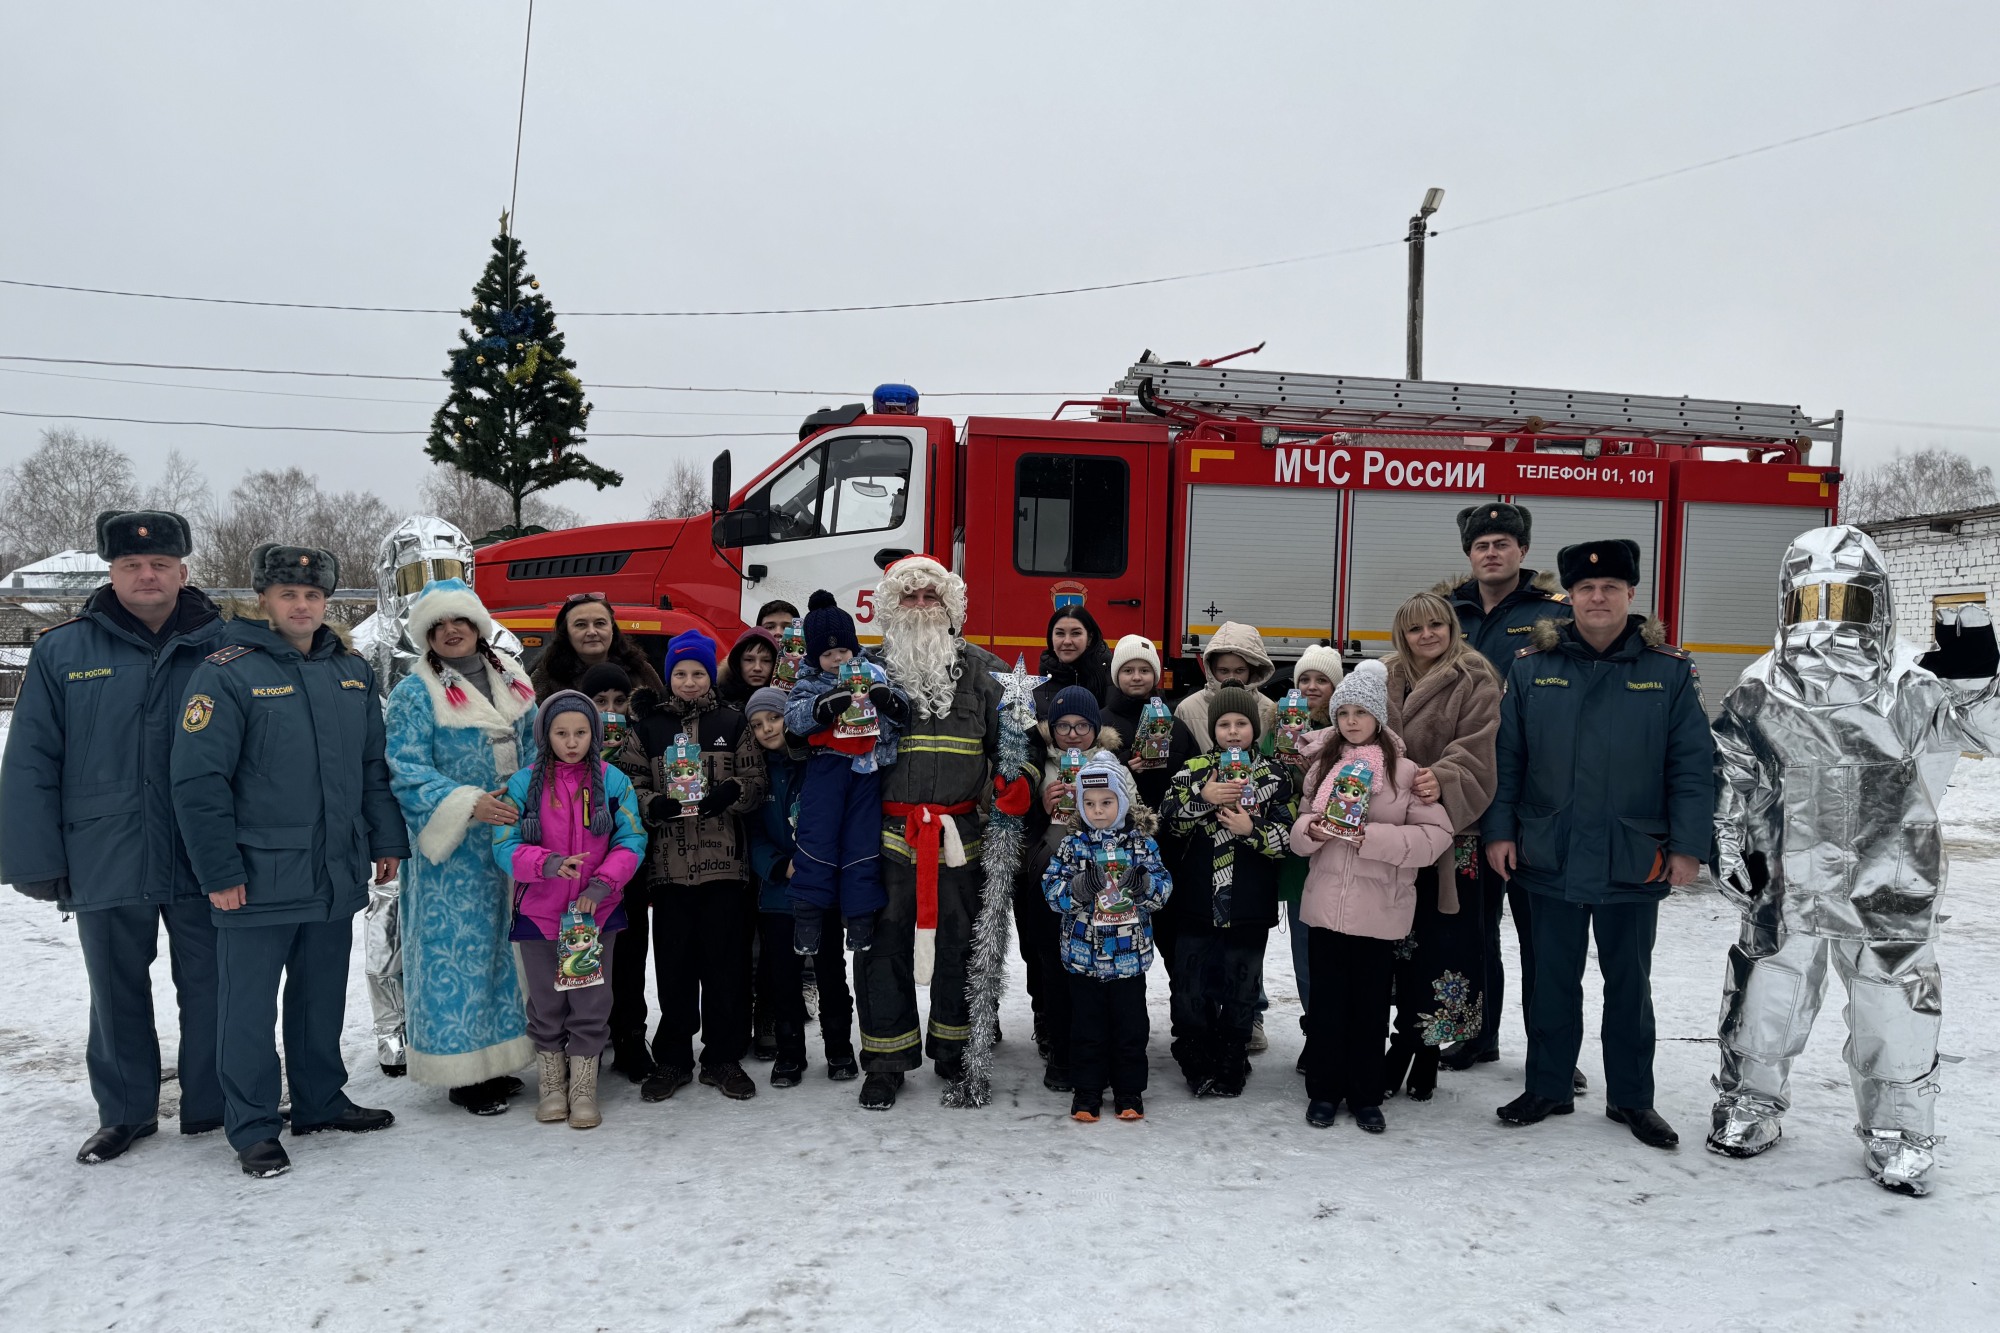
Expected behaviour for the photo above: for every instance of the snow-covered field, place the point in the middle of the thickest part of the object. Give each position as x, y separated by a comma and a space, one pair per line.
798, 1209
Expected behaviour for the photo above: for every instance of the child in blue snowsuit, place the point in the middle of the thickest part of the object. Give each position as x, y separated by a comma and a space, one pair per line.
1107, 935
839, 832
773, 852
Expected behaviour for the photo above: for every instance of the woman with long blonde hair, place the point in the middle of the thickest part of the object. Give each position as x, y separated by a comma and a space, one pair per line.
1444, 701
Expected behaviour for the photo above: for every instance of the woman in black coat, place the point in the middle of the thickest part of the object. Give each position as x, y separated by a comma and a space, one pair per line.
1076, 655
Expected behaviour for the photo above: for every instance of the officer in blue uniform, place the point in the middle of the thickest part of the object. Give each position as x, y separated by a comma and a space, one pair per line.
1498, 608
281, 787
87, 820
1605, 798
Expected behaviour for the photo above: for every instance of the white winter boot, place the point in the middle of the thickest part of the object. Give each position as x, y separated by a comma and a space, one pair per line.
583, 1092
554, 1105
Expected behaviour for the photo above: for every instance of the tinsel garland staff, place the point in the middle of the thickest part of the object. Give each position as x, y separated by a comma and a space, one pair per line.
986, 970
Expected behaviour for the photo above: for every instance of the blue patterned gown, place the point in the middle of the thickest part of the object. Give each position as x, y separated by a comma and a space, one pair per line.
448, 744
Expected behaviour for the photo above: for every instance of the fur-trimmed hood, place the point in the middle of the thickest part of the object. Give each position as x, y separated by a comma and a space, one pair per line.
455, 703
1547, 633
1139, 817
1107, 739
247, 610
1544, 581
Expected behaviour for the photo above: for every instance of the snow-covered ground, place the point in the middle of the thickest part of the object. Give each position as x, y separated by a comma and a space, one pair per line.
798, 1209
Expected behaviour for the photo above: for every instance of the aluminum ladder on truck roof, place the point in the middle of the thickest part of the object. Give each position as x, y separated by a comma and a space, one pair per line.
1353, 402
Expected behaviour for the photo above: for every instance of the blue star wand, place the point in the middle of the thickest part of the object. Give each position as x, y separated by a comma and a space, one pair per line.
986, 970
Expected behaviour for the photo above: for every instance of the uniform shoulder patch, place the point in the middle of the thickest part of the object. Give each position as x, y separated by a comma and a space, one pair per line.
349, 683
200, 709
270, 691
224, 656
1528, 651
1670, 650
73, 620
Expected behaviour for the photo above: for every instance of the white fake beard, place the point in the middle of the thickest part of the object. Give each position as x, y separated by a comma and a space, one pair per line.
922, 657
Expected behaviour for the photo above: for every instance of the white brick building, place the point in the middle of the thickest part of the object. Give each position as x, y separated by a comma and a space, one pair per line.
1940, 564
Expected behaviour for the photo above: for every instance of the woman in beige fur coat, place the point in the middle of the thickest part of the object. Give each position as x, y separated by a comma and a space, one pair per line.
1444, 701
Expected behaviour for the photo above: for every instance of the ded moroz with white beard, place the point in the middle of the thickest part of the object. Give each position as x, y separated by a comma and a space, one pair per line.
934, 799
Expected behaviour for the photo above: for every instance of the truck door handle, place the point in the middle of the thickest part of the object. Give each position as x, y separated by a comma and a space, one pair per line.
756, 573
889, 555
1126, 601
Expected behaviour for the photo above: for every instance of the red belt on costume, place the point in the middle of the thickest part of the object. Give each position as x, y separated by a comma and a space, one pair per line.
923, 830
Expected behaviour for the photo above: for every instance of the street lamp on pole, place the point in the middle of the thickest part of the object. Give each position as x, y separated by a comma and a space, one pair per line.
1419, 230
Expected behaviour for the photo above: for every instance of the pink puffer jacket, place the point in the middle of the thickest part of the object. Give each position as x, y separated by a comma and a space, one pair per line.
1372, 890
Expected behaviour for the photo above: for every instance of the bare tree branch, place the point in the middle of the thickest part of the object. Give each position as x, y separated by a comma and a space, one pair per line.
1932, 480
50, 500
683, 494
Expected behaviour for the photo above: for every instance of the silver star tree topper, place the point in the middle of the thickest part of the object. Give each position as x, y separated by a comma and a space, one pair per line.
1017, 690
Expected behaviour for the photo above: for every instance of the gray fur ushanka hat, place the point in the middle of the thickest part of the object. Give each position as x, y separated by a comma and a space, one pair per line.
142, 532
308, 566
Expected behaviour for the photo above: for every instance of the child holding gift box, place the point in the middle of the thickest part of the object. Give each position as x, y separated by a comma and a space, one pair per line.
837, 861
577, 844
1107, 881
1225, 899
1367, 834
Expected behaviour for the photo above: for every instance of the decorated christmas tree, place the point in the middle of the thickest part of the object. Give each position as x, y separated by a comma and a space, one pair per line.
516, 412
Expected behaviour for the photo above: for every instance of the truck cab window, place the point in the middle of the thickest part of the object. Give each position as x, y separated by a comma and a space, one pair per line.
859, 483
1069, 515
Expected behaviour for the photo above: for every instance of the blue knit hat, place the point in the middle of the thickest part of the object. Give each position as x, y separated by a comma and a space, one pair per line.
827, 626
1075, 701
691, 646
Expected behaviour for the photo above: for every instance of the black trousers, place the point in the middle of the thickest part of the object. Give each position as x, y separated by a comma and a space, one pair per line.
701, 961
1108, 1031
1349, 1019
628, 972
885, 985
250, 961
1625, 934
123, 1055
1049, 991
1495, 894
1214, 998
781, 972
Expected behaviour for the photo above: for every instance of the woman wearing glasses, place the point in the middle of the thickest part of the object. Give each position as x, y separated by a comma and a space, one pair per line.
586, 633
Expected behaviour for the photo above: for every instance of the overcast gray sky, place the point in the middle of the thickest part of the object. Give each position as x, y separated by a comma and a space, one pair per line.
695, 156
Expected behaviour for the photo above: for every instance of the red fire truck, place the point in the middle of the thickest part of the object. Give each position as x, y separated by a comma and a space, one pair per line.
1309, 506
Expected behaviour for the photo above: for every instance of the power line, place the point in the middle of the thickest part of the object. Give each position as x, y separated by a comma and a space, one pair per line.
435, 379
1080, 289
1658, 176
354, 430
362, 398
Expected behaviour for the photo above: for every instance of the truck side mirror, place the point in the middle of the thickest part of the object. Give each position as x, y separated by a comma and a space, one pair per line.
718, 485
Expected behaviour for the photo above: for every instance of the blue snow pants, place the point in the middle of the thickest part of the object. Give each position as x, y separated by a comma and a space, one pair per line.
839, 836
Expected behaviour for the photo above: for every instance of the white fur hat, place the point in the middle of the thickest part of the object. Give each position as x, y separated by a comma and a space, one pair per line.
1135, 648
447, 599
1322, 659
922, 571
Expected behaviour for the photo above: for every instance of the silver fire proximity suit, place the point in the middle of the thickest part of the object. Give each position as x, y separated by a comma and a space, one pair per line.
417, 551
1833, 753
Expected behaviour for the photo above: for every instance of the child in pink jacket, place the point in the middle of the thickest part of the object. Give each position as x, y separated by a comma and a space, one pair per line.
578, 842
1360, 892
